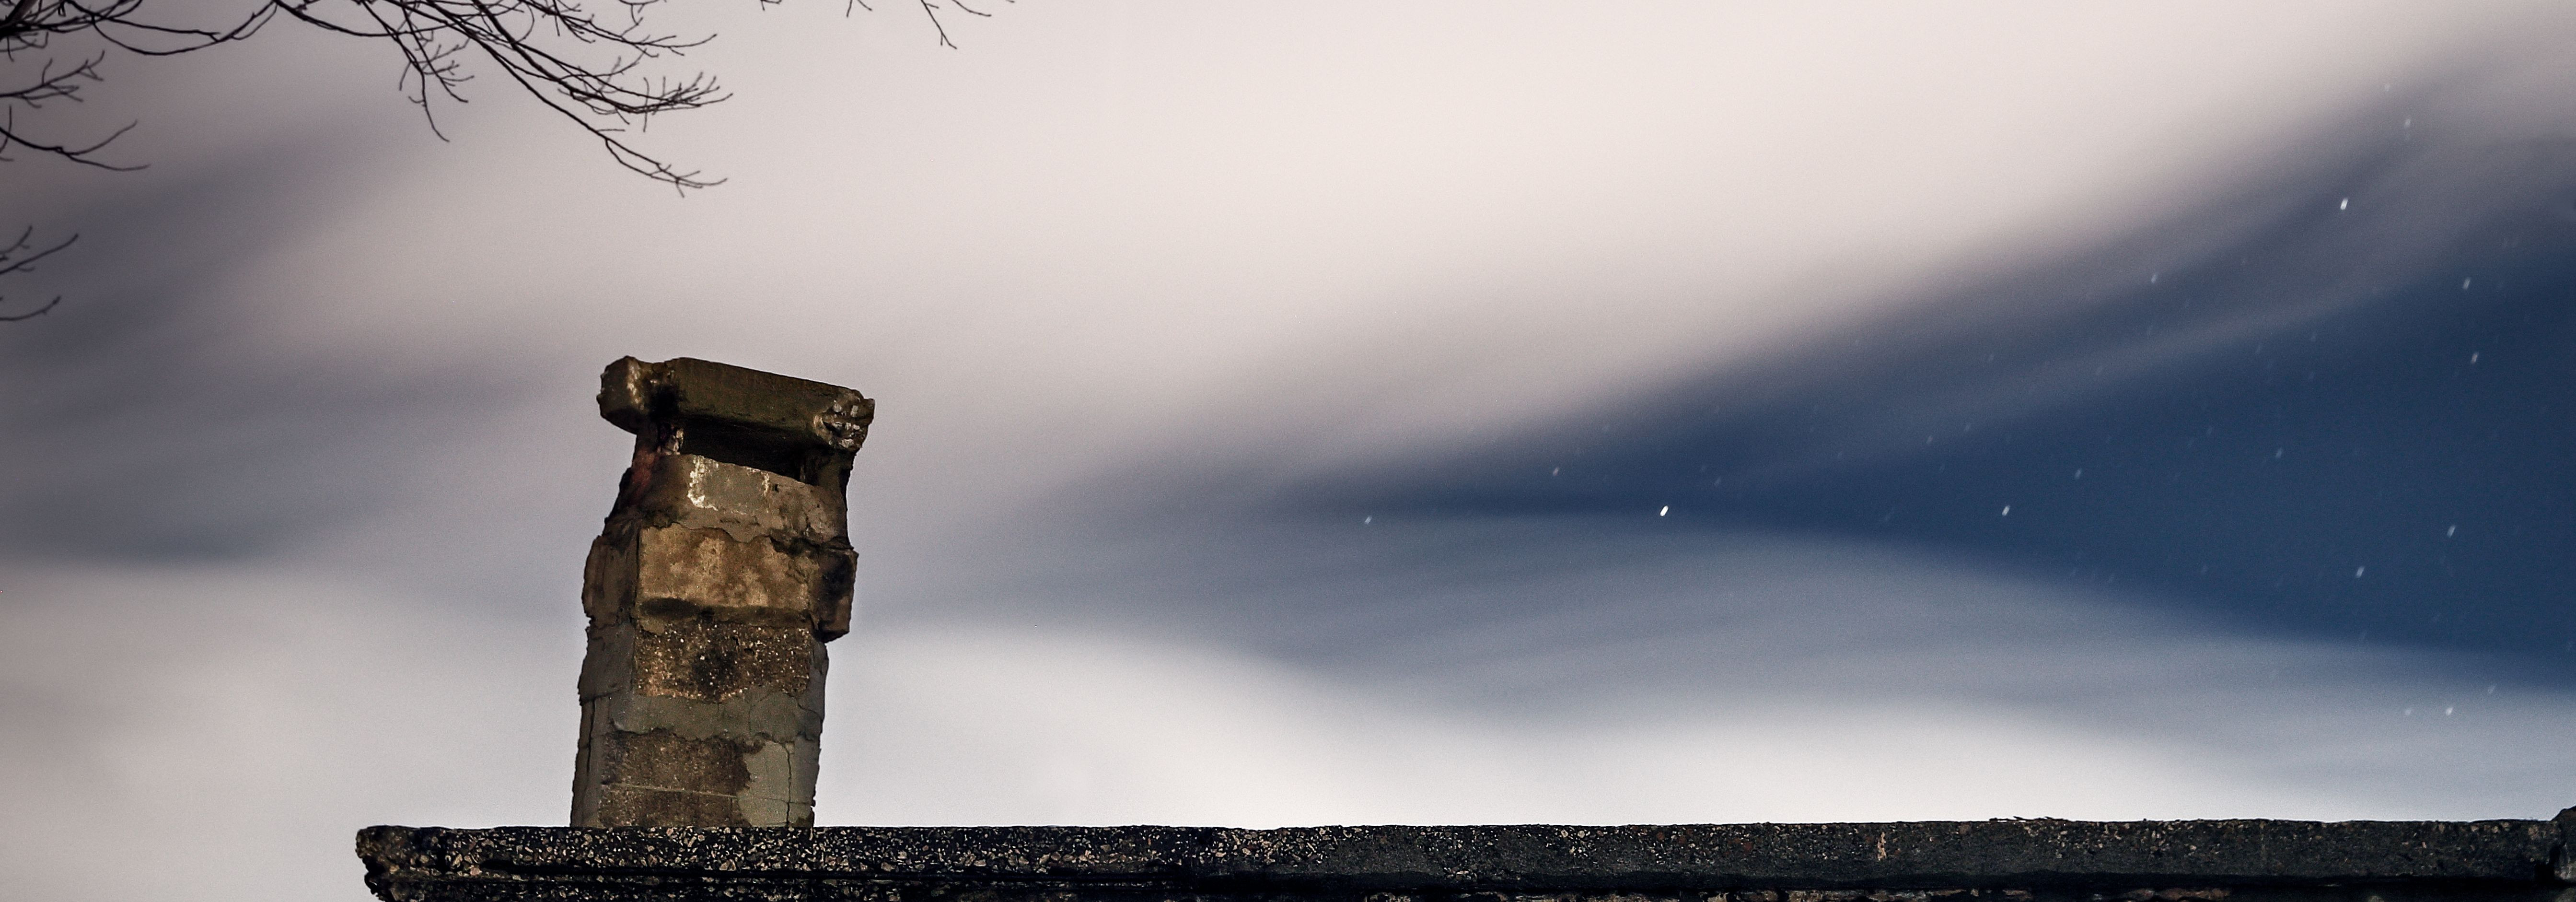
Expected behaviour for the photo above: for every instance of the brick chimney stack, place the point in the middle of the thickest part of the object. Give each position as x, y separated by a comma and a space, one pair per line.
722, 570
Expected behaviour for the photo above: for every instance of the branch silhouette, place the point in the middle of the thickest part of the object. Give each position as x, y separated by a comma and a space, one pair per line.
603, 74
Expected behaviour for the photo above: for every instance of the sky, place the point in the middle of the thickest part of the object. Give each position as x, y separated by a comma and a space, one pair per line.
1338, 413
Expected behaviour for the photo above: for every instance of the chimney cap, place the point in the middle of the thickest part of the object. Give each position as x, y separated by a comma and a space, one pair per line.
695, 394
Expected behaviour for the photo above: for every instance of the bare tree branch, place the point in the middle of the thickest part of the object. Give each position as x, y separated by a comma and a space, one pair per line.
931, 8
17, 13
598, 74
16, 258
585, 69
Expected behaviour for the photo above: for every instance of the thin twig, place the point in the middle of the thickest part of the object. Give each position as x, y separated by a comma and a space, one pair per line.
12, 262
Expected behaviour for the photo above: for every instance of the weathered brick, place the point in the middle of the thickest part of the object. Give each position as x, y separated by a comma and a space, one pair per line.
721, 570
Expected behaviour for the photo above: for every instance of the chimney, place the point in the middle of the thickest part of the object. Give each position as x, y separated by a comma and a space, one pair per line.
723, 568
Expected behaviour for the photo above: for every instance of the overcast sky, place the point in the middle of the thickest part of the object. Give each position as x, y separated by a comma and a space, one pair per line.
1339, 414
